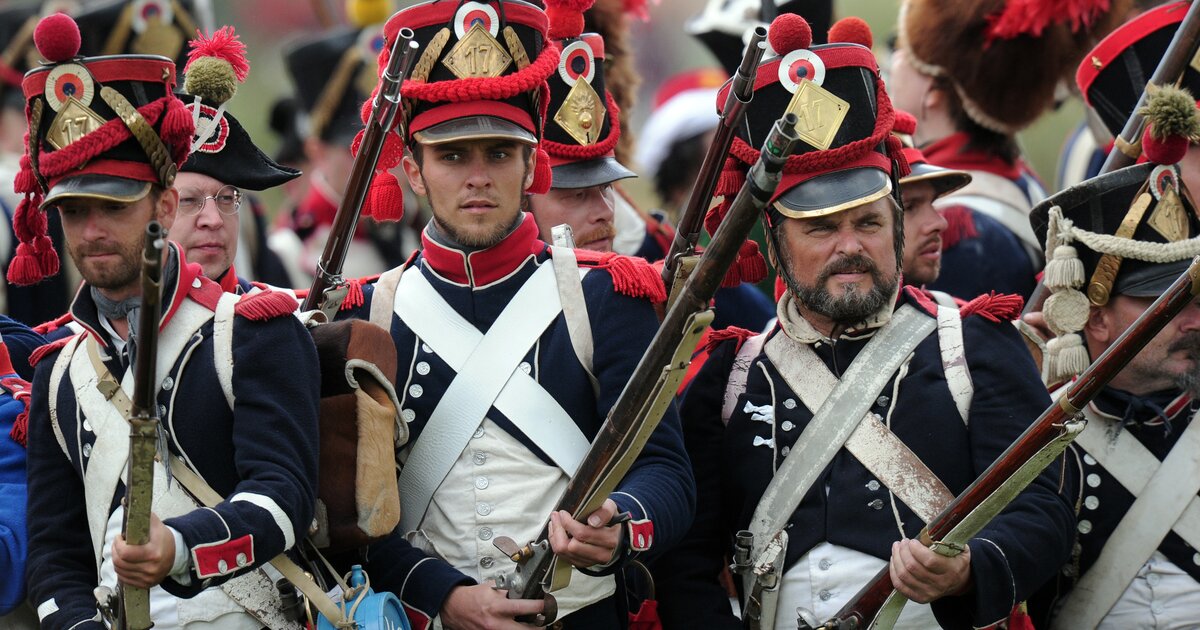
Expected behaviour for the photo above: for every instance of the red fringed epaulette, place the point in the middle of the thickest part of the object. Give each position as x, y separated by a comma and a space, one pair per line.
960, 226
631, 276
266, 305
997, 307
46, 328
715, 337
354, 294
19, 389
54, 346
922, 300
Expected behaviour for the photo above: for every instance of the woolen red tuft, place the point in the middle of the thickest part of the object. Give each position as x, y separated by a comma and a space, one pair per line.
57, 38
715, 338
385, 198
223, 44
1169, 150
789, 32
566, 17
905, 123
997, 307
543, 176
852, 30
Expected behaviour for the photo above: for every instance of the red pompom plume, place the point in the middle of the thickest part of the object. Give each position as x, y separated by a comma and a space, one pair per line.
852, 30
789, 32
57, 38
1032, 17
566, 17
1168, 150
905, 123
223, 44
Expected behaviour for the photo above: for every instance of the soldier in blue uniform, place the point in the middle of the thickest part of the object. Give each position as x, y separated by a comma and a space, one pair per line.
524, 412
255, 443
958, 391
1135, 561
14, 536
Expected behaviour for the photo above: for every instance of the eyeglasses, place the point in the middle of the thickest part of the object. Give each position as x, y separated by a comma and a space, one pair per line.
191, 201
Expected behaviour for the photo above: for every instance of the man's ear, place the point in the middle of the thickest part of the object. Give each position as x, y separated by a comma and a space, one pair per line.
412, 171
168, 205
530, 170
1099, 326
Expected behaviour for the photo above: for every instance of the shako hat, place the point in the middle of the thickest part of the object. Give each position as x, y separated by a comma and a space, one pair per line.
723, 24
1113, 75
481, 72
220, 147
847, 155
1005, 58
17, 52
1129, 232
139, 27
333, 73
99, 127
583, 125
943, 180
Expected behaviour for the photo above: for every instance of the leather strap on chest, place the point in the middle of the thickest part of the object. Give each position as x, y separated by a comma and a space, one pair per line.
1166, 500
488, 376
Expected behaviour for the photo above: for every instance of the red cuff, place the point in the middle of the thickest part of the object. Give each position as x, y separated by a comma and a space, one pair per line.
214, 559
641, 534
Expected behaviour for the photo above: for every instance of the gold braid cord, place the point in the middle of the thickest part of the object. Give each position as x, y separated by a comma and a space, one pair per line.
420, 72
515, 48
160, 157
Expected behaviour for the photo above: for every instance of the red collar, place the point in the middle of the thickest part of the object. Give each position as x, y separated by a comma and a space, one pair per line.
483, 267
229, 281
952, 152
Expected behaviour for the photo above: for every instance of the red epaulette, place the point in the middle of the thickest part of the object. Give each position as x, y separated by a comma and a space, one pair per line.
354, 295
631, 276
266, 305
713, 338
922, 299
997, 307
40, 353
960, 225
46, 328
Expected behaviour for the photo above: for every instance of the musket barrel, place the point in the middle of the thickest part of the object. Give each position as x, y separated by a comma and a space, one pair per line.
863, 607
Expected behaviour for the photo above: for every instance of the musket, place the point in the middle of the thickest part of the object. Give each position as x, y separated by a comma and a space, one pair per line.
1127, 147
1022, 461
687, 235
653, 383
133, 611
329, 287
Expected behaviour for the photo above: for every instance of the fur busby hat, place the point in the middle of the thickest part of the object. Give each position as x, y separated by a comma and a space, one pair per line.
453, 92
1005, 58
220, 147
1113, 75
139, 27
17, 52
333, 73
99, 127
943, 180
1129, 232
583, 125
847, 155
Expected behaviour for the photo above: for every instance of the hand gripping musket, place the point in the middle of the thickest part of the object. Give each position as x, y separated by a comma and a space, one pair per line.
653, 383
132, 608
1127, 147
329, 287
878, 605
682, 257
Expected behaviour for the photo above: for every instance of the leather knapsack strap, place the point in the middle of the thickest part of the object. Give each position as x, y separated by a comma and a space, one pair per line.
835, 421
1161, 502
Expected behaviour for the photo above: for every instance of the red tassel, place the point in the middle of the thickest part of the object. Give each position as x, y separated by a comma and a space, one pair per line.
543, 177
47, 257
716, 337
20, 429
25, 268
997, 307
385, 199
960, 226
895, 149
265, 305
751, 265
354, 295
25, 182
177, 130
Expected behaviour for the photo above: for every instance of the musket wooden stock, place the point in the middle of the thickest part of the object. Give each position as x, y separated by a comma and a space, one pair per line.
1127, 147
134, 603
635, 413
741, 91
864, 606
383, 116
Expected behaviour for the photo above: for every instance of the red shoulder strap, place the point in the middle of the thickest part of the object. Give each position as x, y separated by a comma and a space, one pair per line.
46, 328
54, 346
